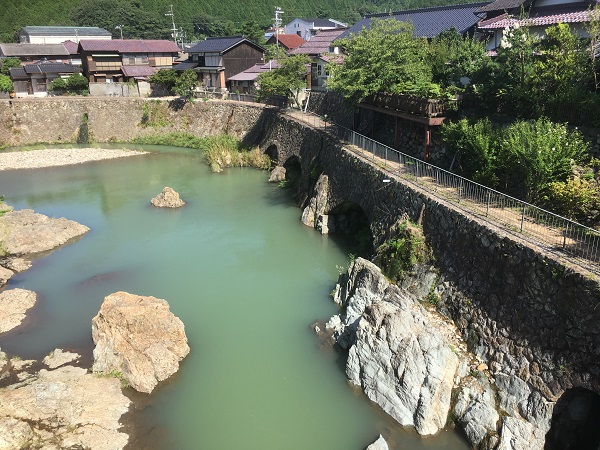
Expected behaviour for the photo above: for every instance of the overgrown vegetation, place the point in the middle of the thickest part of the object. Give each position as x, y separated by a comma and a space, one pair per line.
154, 114
286, 80
73, 84
219, 151
402, 251
525, 159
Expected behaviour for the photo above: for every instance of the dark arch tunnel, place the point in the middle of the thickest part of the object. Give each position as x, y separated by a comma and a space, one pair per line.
353, 226
575, 421
273, 153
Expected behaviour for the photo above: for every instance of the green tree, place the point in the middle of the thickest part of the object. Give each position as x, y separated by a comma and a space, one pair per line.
58, 85
137, 22
7, 63
186, 83
286, 80
77, 83
5, 84
165, 77
383, 58
453, 57
534, 154
593, 30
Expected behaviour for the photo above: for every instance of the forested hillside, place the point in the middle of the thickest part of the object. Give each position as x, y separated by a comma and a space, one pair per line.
197, 18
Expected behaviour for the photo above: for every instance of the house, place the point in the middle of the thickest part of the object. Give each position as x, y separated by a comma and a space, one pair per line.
33, 79
286, 41
537, 15
217, 59
245, 81
125, 59
428, 22
28, 53
307, 28
322, 51
56, 35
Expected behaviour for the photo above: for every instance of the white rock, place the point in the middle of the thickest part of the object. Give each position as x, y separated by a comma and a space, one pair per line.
379, 444
13, 305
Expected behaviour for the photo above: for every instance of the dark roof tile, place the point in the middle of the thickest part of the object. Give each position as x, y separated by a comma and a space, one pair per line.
129, 46
428, 22
220, 44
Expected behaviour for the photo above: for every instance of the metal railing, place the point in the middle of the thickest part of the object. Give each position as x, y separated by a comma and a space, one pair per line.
577, 243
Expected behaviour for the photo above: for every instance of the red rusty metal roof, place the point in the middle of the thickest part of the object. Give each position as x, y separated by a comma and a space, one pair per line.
138, 71
549, 15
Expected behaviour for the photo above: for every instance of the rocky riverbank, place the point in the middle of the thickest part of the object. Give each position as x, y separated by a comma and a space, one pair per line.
413, 363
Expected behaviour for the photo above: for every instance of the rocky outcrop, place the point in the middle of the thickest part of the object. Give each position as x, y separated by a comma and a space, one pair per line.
138, 338
59, 358
63, 408
25, 232
5, 275
277, 174
412, 362
395, 357
16, 264
314, 214
168, 198
379, 444
13, 305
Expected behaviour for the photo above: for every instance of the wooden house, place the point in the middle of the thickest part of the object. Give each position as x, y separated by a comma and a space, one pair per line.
307, 28
29, 53
56, 35
217, 59
33, 79
120, 60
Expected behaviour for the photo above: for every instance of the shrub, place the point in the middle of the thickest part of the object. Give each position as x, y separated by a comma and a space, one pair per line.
5, 84
576, 199
58, 85
402, 252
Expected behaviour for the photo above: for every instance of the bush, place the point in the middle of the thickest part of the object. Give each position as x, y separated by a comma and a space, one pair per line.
77, 83
576, 199
5, 84
58, 85
402, 252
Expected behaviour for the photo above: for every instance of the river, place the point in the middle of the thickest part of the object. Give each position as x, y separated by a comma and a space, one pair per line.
244, 275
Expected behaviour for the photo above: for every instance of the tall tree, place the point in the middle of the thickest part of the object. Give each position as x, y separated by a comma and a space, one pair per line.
136, 22
383, 58
286, 80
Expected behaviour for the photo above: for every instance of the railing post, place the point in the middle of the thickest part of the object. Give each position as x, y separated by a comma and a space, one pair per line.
565, 236
460, 189
522, 217
487, 205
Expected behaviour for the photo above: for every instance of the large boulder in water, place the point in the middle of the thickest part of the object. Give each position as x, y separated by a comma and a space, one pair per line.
168, 198
13, 305
138, 338
25, 232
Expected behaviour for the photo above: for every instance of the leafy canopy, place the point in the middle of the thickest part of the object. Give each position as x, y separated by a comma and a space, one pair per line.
383, 58
5, 84
7, 63
186, 83
285, 80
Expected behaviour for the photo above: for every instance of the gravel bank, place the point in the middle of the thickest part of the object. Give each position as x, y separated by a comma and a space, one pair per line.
33, 159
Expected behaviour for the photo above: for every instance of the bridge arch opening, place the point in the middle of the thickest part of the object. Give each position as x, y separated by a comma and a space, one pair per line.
293, 171
273, 153
575, 421
354, 227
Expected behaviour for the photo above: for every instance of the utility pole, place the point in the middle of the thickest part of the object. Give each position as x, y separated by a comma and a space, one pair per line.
278, 21
174, 29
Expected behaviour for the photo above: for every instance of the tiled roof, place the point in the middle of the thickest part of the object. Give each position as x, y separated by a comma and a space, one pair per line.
319, 43
17, 72
503, 5
428, 22
129, 46
253, 72
289, 41
321, 23
548, 15
220, 44
62, 31
138, 71
185, 65
17, 50
49, 68
333, 58
71, 47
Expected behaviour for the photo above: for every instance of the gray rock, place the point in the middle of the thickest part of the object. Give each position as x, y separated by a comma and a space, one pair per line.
13, 305
5, 275
277, 174
63, 408
325, 224
168, 198
138, 338
25, 232
59, 358
379, 444
518, 434
475, 410
16, 264
318, 202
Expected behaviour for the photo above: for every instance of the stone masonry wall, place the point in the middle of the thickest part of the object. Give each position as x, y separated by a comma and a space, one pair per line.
524, 312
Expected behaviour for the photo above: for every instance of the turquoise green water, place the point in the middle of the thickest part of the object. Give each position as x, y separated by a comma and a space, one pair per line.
242, 273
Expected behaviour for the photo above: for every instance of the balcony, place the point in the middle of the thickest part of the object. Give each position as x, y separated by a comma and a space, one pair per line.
431, 111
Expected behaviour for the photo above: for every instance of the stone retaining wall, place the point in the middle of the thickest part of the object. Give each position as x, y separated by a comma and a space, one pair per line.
526, 313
